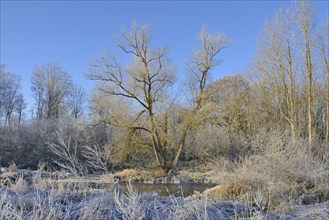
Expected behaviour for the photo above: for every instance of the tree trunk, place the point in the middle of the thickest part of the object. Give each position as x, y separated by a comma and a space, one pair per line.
327, 118
156, 142
180, 147
309, 94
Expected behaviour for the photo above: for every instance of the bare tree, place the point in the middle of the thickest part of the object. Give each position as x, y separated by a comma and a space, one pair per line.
304, 18
275, 68
285, 71
50, 85
324, 54
38, 88
77, 101
143, 81
11, 100
200, 65
20, 106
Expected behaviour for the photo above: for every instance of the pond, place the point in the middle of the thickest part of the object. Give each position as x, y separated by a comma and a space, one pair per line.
165, 189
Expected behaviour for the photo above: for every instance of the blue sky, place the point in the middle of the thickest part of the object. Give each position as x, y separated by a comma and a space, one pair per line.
73, 33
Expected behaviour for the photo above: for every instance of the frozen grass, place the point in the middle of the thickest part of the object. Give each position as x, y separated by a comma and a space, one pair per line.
281, 173
50, 200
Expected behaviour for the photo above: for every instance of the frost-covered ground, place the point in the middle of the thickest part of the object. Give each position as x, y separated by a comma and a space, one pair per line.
109, 204
114, 204
40, 197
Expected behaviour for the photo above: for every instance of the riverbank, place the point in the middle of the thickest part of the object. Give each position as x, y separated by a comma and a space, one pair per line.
42, 195
78, 201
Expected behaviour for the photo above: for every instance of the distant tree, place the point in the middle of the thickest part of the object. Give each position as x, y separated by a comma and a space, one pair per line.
11, 100
77, 100
231, 95
51, 85
19, 107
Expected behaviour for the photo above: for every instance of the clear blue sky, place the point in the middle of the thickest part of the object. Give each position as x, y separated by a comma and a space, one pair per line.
74, 33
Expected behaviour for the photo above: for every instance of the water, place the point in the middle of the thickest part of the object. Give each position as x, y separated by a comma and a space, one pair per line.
166, 189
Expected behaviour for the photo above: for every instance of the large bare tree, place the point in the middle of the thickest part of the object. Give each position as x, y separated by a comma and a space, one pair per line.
144, 81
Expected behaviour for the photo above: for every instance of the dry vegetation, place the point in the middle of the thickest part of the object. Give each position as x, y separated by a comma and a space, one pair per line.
46, 198
284, 172
39, 197
283, 178
262, 139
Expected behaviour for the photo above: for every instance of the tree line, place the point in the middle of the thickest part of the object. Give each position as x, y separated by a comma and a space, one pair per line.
286, 87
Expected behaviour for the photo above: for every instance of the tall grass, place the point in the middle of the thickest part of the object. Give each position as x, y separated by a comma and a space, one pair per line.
46, 199
281, 172
79, 201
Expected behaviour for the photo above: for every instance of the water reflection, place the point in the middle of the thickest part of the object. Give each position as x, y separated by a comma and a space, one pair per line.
165, 189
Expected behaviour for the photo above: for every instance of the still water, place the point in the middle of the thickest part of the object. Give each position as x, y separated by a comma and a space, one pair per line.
165, 189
